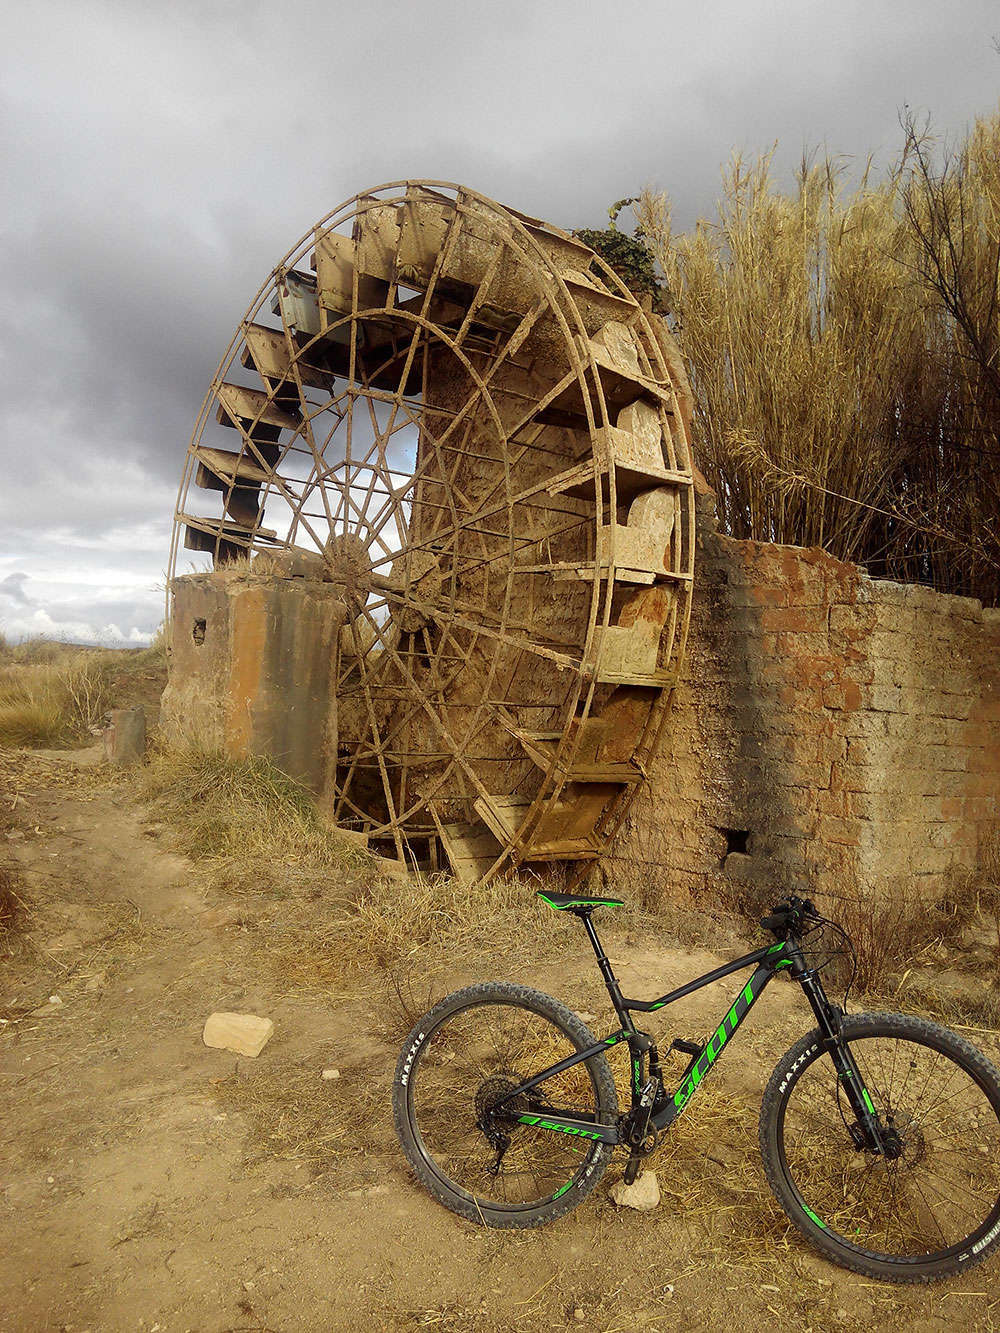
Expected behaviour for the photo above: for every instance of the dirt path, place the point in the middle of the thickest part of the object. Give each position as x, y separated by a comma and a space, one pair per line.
150, 1183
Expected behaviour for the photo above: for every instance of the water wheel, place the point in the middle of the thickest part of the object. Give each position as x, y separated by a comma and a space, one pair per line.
462, 418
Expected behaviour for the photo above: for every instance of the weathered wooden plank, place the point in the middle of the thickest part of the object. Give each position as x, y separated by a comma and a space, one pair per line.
579, 481
470, 848
228, 529
238, 404
266, 351
228, 467
376, 239
542, 754
598, 306
334, 259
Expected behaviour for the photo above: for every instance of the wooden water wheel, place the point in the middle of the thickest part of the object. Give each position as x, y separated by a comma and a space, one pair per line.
462, 418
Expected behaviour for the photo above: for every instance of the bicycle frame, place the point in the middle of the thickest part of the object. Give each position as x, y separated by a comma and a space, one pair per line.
766, 962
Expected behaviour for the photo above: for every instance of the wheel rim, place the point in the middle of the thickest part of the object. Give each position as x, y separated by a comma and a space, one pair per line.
403, 421
469, 1062
940, 1197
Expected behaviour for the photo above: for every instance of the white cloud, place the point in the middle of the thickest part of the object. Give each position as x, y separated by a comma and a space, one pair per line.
39, 624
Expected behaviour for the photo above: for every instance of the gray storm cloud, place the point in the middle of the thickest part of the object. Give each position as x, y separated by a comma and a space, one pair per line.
158, 160
12, 588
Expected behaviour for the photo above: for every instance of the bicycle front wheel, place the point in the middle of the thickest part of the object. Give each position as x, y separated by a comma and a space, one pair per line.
464, 1140
932, 1211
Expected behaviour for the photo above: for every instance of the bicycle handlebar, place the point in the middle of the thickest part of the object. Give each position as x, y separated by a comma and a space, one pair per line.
787, 916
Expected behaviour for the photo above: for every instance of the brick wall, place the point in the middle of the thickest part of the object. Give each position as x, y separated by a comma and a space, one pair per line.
831, 730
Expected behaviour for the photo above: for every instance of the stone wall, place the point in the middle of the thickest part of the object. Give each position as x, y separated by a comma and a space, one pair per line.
832, 731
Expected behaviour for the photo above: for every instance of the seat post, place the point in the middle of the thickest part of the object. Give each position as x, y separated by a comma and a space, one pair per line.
604, 963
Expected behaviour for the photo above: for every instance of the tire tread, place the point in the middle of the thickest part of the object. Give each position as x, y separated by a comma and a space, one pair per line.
524, 996
905, 1026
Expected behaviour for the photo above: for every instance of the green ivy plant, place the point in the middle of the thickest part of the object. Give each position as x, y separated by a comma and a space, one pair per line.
629, 256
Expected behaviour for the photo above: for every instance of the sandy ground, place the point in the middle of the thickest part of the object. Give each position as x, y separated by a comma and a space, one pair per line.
149, 1183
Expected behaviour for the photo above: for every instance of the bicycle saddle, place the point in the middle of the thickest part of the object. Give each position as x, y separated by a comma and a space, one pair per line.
559, 902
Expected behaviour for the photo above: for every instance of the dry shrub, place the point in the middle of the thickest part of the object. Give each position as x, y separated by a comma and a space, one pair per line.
800, 329
891, 934
37, 652
975, 1005
86, 685
54, 699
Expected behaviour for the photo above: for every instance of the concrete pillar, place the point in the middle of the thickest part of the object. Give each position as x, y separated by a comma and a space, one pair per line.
253, 669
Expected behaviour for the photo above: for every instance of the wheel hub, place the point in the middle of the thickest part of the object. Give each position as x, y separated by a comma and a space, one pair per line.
418, 579
349, 567
491, 1092
913, 1149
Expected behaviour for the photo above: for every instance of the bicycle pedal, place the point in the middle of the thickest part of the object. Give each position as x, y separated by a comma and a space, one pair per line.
694, 1048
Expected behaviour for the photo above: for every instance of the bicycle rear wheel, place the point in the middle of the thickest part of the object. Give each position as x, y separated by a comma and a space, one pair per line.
458, 1064
935, 1209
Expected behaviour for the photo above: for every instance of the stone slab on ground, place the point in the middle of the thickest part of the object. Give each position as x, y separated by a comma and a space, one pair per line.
243, 1034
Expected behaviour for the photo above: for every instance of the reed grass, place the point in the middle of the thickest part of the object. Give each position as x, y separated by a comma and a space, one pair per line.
843, 346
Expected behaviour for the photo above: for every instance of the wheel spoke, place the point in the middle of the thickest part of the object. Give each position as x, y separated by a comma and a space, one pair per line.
929, 1198
468, 1064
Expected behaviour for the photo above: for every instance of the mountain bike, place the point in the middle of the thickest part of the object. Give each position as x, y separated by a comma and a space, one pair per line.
879, 1132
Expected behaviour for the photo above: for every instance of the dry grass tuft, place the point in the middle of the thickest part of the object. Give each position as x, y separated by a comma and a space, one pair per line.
330, 913
13, 910
245, 810
51, 695
32, 706
335, 932
391, 928
292, 1114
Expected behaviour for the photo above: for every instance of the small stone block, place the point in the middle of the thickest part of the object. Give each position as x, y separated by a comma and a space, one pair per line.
243, 1034
125, 738
643, 1194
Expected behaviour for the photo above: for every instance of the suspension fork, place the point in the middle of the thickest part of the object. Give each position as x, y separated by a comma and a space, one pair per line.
829, 1018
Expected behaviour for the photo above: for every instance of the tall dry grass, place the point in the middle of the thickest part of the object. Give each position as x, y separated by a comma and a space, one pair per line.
842, 340
53, 702
54, 694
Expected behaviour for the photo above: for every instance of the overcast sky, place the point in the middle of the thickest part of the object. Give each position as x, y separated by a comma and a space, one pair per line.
159, 159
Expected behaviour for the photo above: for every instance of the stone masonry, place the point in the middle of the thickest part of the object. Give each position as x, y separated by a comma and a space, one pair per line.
832, 732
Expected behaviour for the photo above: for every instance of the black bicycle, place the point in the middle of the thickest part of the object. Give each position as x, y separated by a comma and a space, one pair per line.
880, 1132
